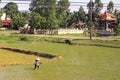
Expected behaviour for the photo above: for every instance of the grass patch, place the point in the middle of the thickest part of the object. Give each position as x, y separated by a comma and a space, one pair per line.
23, 38
98, 42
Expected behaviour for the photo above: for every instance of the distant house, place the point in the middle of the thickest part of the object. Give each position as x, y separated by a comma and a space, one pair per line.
79, 24
5, 20
107, 21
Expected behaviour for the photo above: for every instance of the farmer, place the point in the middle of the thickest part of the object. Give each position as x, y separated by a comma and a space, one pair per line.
36, 64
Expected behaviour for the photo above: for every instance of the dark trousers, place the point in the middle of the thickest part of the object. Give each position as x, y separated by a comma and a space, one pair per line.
36, 66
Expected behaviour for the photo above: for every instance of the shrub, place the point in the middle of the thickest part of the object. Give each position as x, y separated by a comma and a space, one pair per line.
117, 29
67, 41
23, 38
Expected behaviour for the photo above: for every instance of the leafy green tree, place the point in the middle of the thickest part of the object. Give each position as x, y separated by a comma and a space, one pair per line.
62, 10
90, 6
95, 8
117, 14
81, 14
46, 9
98, 6
37, 21
35, 5
110, 7
117, 29
50, 14
11, 8
67, 20
1, 12
18, 21
26, 15
0, 22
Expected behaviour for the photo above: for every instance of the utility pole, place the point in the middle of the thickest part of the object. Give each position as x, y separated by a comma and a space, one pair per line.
91, 9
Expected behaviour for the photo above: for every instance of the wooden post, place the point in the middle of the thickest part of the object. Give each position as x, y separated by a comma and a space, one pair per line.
91, 19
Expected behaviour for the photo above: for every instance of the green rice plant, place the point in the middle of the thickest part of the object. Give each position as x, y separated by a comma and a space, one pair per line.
81, 62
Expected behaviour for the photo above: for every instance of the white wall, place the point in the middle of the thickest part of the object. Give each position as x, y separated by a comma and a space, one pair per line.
70, 31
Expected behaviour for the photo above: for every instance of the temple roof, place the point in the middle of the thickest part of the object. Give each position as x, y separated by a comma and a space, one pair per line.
79, 23
106, 16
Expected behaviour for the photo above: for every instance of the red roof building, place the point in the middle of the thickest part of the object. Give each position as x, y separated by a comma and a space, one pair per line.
79, 24
106, 21
5, 20
6, 23
106, 17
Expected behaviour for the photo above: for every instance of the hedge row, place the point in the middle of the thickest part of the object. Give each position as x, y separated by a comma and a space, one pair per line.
96, 45
45, 55
69, 41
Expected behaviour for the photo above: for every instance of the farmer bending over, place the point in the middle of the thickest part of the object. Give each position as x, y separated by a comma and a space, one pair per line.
36, 64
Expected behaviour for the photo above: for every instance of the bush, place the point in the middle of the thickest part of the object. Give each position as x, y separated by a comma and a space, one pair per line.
67, 41
23, 38
117, 29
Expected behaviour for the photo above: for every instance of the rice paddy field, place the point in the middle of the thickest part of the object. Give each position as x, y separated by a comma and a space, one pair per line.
78, 62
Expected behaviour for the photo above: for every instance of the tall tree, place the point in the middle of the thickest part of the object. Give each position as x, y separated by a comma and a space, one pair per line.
90, 5
11, 8
0, 22
81, 14
67, 20
110, 7
17, 21
90, 14
37, 21
117, 14
51, 14
62, 10
26, 15
98, 6
95, 9
117, 29
46, 9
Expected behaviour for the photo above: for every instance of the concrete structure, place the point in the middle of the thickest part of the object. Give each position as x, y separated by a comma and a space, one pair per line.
70, 31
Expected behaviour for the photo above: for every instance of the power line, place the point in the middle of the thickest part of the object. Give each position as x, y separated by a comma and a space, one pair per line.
75, 4
69, 2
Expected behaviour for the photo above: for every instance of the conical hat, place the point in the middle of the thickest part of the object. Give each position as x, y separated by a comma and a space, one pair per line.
37, 59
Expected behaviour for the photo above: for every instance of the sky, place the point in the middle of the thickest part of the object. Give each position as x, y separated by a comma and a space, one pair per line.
24, 4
